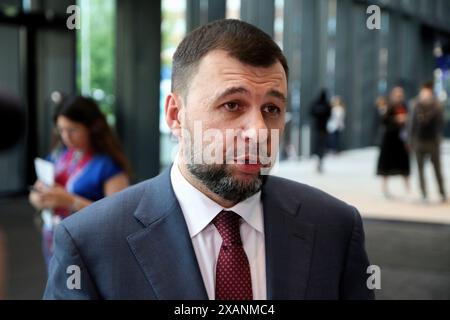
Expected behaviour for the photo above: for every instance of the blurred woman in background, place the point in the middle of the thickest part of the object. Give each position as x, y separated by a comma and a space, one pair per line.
336, 124
394, 151
89, 164
381, 106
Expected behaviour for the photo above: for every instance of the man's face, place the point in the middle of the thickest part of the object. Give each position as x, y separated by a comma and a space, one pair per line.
426, 95
230, 97
73, 134
397, 95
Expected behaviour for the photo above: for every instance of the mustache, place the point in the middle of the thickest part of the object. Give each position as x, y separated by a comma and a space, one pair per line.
248, 159
236, 157
249, 153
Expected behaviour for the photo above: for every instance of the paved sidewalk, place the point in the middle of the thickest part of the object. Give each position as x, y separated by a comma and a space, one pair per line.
351, 177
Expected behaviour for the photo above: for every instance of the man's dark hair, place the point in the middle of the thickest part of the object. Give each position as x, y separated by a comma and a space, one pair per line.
427, 85
239, 39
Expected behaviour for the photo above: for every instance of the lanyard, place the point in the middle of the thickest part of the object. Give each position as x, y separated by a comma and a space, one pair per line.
72, 163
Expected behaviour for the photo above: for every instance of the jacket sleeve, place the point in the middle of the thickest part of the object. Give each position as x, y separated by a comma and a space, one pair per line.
68, 277
353, 284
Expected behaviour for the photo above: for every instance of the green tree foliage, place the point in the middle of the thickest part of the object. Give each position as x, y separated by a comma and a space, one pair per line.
101, 15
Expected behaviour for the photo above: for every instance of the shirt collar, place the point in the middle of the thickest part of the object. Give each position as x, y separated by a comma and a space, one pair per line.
199, 210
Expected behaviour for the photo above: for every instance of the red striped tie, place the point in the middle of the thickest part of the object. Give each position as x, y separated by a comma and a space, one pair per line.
233, 279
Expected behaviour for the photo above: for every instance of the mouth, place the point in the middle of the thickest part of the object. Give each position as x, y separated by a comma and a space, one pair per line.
249, 164
249, 168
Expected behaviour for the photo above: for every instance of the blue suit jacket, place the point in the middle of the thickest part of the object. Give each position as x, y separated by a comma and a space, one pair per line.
136, 245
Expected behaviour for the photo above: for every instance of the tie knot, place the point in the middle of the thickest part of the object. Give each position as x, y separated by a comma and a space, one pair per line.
227, 223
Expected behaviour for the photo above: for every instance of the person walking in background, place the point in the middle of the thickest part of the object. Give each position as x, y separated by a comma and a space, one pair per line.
394, 154
336, 123
89, 164
381, 106
427, 126
321, 112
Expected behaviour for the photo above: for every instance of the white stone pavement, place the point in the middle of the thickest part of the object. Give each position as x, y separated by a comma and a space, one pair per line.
351, 177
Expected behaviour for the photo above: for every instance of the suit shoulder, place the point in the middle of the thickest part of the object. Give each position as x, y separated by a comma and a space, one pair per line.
303, 191
115, 209
317, 206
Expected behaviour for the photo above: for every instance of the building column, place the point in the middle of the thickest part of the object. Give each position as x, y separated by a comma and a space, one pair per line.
137, 83
365, 74
292, 42
200, 12
344, 61
260, 13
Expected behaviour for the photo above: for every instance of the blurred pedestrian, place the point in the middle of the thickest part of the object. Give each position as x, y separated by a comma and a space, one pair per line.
89, 164
336, 124
381, 106
427, 125
320, 112
394, 154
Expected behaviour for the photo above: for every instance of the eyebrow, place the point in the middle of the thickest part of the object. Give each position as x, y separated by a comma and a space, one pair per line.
277, 94
233, 90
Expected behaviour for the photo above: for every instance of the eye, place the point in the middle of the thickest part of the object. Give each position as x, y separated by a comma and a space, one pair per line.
272, 110
69, 131
231, 106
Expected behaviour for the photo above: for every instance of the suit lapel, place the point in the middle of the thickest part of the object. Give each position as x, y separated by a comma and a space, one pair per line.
289, 243
163, 248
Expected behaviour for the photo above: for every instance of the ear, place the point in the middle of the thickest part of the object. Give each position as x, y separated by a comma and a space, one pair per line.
173, 111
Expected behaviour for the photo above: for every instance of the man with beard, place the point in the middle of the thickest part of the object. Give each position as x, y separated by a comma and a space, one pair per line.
217, 229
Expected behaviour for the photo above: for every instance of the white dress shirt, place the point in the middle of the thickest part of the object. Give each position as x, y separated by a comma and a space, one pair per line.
199, 211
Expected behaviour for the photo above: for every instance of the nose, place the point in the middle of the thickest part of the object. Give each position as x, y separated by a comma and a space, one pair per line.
254, 127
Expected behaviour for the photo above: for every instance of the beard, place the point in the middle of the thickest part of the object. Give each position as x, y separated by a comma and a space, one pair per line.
218, 179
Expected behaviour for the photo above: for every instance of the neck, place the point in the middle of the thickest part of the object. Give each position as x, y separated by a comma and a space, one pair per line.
202, 188
83, 151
